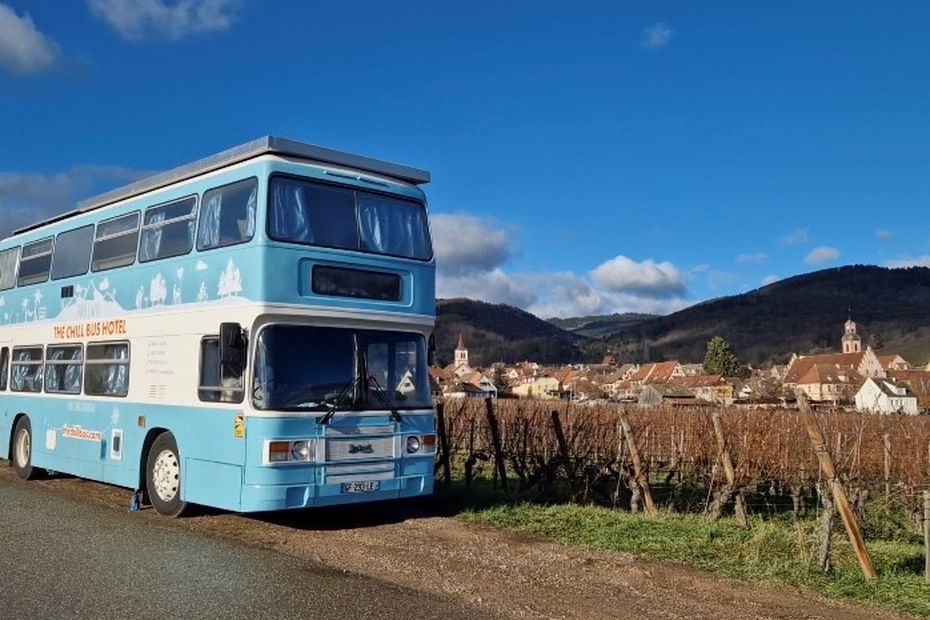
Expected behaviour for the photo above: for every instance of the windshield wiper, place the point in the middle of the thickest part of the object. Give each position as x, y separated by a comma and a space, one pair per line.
384, 400
347, 389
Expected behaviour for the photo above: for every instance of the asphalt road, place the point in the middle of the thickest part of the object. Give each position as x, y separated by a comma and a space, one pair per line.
61, 557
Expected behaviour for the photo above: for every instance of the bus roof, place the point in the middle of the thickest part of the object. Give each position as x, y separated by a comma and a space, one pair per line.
261, 146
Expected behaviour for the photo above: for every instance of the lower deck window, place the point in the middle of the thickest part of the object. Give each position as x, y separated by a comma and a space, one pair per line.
217, 383
107, 369
27, 369
63, 368
4, 367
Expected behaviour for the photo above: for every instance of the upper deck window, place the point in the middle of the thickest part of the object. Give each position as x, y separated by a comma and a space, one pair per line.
168, 230
303, 211
8, 260
72, 252
227, 215
115, 243
36, 262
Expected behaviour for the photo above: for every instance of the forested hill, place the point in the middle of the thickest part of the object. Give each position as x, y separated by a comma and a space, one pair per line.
497, 332
803, 314
601, 325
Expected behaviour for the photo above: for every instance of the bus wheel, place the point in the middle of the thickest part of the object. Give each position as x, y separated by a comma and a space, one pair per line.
163, 476
22, 450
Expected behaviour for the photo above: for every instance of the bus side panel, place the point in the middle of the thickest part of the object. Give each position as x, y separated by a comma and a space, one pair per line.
202, 433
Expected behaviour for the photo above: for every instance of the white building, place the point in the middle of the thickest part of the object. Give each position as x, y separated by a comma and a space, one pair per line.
879, 395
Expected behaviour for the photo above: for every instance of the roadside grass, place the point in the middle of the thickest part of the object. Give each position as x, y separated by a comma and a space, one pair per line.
777, 551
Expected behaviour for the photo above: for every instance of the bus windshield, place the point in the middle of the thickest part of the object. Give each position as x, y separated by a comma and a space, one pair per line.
303, 368
303, 211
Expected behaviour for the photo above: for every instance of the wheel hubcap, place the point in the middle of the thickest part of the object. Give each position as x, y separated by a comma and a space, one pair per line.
165, 474
23, 448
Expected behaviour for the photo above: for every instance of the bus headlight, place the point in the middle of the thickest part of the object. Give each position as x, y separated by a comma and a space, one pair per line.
300, 450
289, 451
413, 444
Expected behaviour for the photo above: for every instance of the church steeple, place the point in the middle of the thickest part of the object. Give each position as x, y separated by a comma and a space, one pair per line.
852, 343
461, 353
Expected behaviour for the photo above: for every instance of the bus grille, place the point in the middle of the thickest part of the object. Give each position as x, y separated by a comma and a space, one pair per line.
359, 448
359, 472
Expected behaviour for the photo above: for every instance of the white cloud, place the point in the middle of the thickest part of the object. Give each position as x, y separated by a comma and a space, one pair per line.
656, 37
23, 48
28, 197
758, 257
920, 261
471, 256
769, 279
493, 286
798, 236
564, 294
645, 279
167, 19
821, 254
883, 234
467, 244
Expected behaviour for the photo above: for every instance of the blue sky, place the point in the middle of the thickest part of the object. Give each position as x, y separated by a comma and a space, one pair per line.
587, 157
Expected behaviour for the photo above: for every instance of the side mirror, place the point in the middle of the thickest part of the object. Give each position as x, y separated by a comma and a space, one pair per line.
232, 347
431, 351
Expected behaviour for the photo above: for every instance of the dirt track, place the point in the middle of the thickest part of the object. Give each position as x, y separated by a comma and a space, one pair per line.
507, 575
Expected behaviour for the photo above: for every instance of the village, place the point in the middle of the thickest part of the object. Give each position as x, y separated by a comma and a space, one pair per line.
854, 378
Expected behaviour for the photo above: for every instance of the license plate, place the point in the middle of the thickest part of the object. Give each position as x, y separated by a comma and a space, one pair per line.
360, 487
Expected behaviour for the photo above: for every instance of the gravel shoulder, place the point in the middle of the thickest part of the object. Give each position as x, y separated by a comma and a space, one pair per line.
498, 572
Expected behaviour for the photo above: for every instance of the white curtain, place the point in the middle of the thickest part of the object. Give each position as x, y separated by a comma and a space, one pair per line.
118, 374
209, 234
151, 237
289, 213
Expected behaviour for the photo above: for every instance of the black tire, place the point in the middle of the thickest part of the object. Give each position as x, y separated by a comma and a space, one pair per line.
21, 450
163, 477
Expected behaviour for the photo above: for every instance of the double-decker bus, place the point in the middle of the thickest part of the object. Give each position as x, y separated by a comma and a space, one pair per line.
248, 332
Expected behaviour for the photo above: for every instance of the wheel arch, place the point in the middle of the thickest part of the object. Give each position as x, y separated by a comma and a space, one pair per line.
8, 455
144, 456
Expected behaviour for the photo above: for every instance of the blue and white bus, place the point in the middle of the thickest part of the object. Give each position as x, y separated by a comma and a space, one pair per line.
249, 332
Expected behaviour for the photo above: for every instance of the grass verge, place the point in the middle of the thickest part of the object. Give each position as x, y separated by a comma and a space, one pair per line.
778, 551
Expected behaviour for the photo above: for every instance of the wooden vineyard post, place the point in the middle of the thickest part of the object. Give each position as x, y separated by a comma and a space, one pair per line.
723, 453
927, 536
496, 441
886, 442
472, 457
836, 487
443, 443
563, 446
637, 464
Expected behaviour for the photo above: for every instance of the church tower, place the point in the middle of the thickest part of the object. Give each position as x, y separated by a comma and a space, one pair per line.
461, 354
852, 343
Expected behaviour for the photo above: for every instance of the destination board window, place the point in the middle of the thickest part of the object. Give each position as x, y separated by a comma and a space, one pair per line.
227, 215
4, 367
168, 230
115, 243
8, 260
35, 262
27, 364
217, 384
106, 371
313, 213
63, 369
361, 283
72, 253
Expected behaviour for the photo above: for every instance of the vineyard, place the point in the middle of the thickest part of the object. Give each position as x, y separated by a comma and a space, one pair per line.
760, 461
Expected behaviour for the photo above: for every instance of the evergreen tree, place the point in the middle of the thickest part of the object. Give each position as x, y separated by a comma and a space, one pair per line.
720, 360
